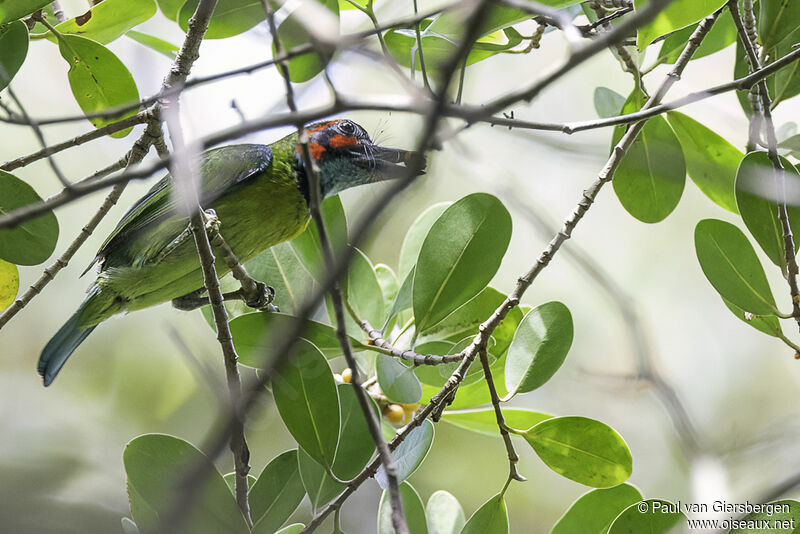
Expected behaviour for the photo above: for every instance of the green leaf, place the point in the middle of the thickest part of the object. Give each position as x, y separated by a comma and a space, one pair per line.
473, 394
33, 241
444, 514
439, 43
787, 79
791, 144
711, 161
412, 243
657, 517
277, 492
731, 265
345, 4
484, 420
231, 17
403, 300
388, 282
99, 80
594, 511
306, 397
539, 347
767, 324
781, 521
464, 322
292, 33
107, 21
170, 8
159, 45
294, 528
13, 50
776, 20
356, 445
582, 449
364, 292
9, 284
412, 508
676, 15
397, 380
409, 454
257, 335
650, 178
460, 255
281, 267
491, 518
16, 9
756, 189
607, 103
154, 464
319, 485
721, 35
307, 245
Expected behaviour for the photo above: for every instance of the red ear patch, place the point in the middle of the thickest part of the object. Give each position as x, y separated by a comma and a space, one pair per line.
340, 141
316, 150
321, 126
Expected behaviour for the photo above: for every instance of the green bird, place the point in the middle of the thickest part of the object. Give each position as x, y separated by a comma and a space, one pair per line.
259, 193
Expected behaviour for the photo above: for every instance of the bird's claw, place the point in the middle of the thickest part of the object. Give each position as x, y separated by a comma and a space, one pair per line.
212, 222
263, 299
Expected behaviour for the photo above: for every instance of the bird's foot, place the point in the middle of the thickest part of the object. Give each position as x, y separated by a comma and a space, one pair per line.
263, 298
212, 222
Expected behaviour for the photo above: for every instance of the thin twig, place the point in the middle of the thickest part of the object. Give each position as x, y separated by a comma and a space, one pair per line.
58, 13
95, 133
377, 340
418, 35
513, 458
37, 132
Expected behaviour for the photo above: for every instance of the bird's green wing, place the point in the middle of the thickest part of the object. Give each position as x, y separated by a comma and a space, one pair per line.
222, 169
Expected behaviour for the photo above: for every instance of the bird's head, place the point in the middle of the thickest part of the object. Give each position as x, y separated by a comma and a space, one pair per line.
347, 157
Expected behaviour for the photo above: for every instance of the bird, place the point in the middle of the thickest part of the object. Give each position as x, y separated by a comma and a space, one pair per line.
259, 194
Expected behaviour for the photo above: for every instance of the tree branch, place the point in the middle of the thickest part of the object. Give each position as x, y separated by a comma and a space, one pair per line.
95, 133
377, 340
765, 113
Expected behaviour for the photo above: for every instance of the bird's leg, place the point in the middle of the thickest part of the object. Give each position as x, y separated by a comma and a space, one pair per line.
196, 299
190, 301
254, 294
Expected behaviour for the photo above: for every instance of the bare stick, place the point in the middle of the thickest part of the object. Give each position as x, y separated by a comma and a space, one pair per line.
377, 340
513, 458
95, 133
38, 132
58, 13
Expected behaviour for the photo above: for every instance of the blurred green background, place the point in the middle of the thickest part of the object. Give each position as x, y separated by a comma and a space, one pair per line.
61, 448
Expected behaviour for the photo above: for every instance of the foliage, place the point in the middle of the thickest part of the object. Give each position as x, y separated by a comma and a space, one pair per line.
438, 298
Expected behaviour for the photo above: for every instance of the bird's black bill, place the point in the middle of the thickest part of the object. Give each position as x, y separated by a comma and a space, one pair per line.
389, 162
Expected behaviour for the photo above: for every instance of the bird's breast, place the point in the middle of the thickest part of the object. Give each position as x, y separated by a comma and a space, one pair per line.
261, 214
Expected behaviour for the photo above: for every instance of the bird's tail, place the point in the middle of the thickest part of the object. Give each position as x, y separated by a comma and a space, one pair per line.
62, 345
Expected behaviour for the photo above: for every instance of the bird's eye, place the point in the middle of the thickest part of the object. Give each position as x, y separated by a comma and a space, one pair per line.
347, 128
